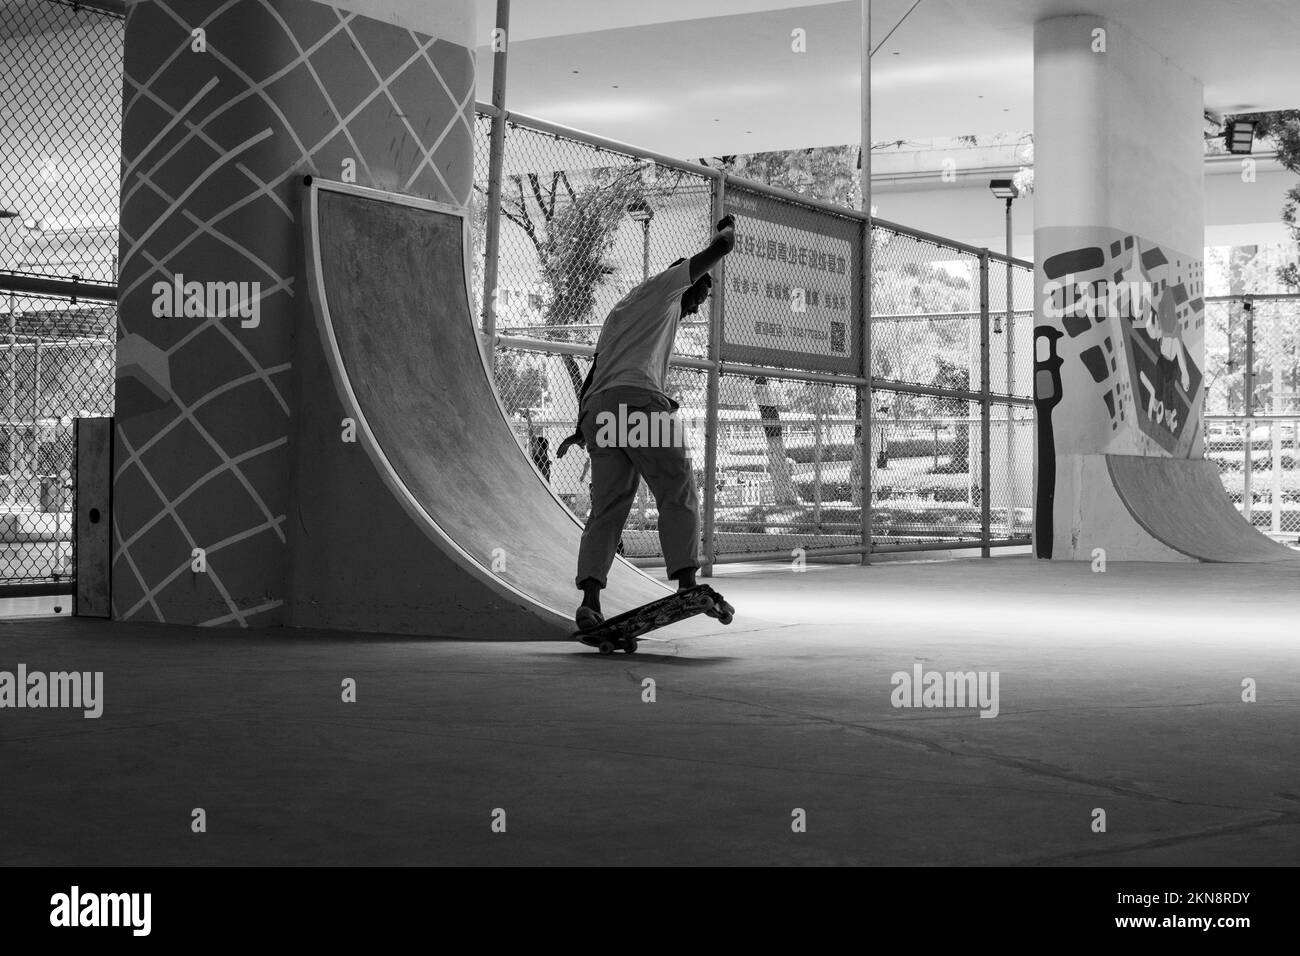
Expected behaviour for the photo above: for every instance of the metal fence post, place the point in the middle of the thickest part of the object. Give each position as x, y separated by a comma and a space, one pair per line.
11, 398
716, 312
864, 282
1275, 427
864, 390
1248, 396
496, 156
1010, 388
819, 416
986, 533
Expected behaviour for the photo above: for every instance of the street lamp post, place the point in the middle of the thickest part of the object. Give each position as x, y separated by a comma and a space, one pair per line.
641, 211
1006, 189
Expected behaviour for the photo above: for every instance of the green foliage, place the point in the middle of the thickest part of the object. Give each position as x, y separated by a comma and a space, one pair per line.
521, 379
574, 245
1277, 340
955, 377
826, 173
572, 223
1283, 129
918, 350
571, 230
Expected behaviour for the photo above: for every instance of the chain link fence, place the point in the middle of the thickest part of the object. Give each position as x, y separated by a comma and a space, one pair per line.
788, 466
583, 221
1252, 420
582, 225
61, 113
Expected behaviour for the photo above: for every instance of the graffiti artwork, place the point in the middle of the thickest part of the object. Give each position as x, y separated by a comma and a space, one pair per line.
1133, 319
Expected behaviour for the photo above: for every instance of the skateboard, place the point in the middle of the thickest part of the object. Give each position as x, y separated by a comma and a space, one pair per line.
621, 631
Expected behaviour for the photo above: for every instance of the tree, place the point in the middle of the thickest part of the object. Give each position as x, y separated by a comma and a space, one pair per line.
1283, 129
571, 230
915, 348
571, 226
521, 380
1247, 269
826, 173
953, 377
778, 465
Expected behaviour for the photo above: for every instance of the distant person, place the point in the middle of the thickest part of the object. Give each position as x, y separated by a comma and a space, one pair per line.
539, 448
628, 377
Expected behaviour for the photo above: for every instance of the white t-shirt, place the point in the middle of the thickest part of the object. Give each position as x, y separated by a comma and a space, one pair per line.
637, 338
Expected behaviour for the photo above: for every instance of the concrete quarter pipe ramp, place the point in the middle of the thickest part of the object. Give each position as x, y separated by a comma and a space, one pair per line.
1181, 503
433, 521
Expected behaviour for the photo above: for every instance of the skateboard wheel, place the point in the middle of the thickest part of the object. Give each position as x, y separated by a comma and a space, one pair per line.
606, 647
725, 618
629, 647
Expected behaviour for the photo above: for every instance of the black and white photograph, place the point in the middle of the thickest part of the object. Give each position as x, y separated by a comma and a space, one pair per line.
607, 435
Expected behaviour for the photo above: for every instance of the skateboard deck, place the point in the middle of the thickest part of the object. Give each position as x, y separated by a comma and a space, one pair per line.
621, 631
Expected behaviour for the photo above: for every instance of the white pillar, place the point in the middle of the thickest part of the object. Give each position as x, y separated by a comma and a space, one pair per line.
1118, 154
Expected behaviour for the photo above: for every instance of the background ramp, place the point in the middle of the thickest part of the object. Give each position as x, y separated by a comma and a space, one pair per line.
433, 521
1181, 503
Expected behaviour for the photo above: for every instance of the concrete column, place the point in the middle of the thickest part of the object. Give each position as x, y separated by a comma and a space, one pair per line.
226, 108
1119, 226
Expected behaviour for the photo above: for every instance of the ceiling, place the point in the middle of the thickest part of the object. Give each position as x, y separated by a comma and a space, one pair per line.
709, 77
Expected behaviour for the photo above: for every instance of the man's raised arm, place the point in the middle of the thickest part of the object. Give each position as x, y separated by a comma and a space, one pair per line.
712, 254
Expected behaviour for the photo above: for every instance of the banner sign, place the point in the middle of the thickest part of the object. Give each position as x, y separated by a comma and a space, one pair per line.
792, 287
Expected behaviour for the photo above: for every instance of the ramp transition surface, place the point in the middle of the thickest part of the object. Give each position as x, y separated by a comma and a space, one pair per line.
1181, 503
388, 282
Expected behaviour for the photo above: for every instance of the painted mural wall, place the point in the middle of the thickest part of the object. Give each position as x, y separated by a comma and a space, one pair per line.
1132, 354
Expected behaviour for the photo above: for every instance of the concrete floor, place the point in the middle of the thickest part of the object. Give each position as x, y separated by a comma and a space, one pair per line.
1118, 691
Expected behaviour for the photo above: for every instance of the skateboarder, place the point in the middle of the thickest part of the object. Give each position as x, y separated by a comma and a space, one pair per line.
627, 385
